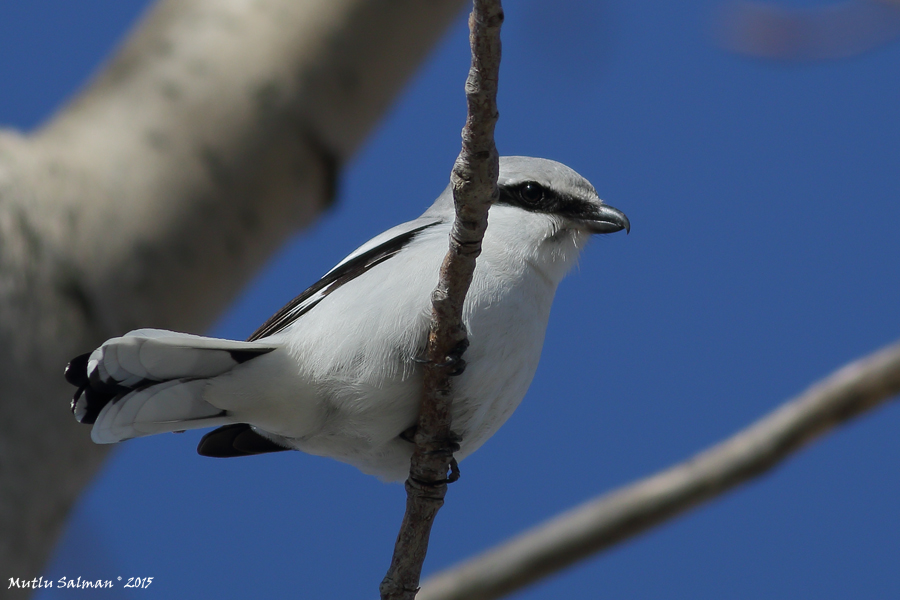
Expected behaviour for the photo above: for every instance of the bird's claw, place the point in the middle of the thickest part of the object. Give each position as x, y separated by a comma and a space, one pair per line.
453, 360
454, 472
409, 435
457, 365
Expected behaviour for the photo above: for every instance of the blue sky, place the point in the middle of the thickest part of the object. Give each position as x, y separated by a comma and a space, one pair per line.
764, 253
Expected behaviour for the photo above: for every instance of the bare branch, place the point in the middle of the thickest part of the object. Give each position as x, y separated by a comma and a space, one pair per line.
474, 181
215, 133
621, 514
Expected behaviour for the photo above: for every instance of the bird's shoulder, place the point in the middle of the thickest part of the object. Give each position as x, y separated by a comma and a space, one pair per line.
376, 251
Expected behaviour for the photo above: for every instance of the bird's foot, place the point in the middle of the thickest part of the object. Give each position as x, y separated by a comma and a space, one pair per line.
453, 360
409, 435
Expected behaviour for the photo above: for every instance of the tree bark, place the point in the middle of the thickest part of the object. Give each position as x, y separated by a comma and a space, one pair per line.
474, 182
215, 132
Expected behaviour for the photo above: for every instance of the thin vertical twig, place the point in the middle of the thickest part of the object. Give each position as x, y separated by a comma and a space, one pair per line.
474, 182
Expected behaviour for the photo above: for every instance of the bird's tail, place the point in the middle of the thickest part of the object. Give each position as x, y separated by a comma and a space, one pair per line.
153, 381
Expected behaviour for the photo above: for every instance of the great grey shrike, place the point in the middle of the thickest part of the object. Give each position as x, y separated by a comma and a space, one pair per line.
337, 372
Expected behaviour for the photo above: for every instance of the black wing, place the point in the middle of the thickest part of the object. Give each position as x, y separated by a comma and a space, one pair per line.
337, 277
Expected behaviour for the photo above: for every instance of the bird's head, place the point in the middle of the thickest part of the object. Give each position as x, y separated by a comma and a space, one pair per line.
545, 214
546, 187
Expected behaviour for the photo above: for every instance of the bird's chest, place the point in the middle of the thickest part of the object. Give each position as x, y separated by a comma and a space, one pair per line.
506, 319
370, 391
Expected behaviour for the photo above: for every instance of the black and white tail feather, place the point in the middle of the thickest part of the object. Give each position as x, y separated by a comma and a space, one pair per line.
334, 372
152, 381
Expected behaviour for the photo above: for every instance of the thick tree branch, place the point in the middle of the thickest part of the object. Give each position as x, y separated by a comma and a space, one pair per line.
216, 132
623, 513
474, 181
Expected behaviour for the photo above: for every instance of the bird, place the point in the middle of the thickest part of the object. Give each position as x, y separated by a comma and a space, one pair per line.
337, 372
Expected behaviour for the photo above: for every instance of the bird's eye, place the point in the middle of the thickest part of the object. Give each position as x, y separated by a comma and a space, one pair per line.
531, 193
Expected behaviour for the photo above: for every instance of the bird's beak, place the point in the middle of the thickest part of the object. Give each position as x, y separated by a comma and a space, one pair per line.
607, 219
